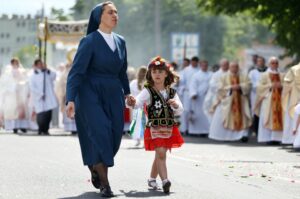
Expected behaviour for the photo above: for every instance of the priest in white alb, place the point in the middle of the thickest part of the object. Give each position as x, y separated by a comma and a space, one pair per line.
198, 122
254, 76
187, 74
41, 85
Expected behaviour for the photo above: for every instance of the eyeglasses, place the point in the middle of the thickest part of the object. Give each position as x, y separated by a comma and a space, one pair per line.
274, 62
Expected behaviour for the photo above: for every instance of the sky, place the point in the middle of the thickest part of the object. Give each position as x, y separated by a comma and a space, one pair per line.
24, 7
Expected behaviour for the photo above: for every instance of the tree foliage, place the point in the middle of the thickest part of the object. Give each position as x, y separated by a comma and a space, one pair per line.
137, 26
27, 55
219, 35
58, 14
281, 16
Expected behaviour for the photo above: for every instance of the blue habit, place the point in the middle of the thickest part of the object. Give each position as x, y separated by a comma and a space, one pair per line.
97, 84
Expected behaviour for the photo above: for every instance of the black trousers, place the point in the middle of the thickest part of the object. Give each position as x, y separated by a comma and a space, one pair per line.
255, 123
43, 120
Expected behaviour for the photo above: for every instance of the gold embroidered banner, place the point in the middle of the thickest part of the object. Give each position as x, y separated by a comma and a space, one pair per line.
67, 32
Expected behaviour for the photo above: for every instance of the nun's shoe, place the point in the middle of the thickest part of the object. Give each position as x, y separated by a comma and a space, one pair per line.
95, 179
106, 192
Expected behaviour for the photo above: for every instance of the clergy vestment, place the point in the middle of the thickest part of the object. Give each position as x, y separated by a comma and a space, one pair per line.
296, 142
14, 93
254, 76
44, 99
97, 83
187, 74
198, 122
211, 95
232, 116
268, 107
290, 98
69, 124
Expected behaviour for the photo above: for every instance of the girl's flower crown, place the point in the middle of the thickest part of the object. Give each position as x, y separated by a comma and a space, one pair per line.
158, 62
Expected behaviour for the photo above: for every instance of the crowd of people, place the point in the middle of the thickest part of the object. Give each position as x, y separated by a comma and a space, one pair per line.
226, 104
231, 104
28, 97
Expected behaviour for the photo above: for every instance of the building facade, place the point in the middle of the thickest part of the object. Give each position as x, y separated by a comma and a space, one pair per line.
16, 32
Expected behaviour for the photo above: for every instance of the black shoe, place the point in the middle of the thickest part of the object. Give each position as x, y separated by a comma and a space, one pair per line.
15, 131
273, 143
244, 139
74, 132
166, 187
203, 135
95, 180
106, 192
24, 130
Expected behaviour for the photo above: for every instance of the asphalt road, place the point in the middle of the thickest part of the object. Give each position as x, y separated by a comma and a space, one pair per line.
42, 167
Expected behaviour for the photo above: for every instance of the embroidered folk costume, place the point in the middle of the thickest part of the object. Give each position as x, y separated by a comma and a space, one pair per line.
161, 127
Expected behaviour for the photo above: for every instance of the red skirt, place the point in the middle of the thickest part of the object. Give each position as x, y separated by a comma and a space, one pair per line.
175, 141
127, 118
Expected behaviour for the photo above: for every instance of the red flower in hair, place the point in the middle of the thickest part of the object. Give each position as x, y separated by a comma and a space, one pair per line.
168, 65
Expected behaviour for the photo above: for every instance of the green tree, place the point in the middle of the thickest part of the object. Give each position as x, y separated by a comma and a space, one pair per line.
219, 35
241, 32
281, 16
137, 26
58, 14
27, 54
82, 8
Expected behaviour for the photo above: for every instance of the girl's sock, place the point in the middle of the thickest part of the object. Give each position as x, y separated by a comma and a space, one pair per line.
165, 181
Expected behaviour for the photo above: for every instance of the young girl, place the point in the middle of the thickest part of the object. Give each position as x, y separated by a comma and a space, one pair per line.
139, 119
162, 104
296, 130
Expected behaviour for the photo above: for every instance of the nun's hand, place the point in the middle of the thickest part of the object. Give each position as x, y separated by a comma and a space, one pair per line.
70, 110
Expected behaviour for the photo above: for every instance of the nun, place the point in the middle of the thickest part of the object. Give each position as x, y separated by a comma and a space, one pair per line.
97, 87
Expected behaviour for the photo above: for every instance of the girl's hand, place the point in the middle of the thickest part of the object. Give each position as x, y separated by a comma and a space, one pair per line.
130, 100
70, 110
173, 103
